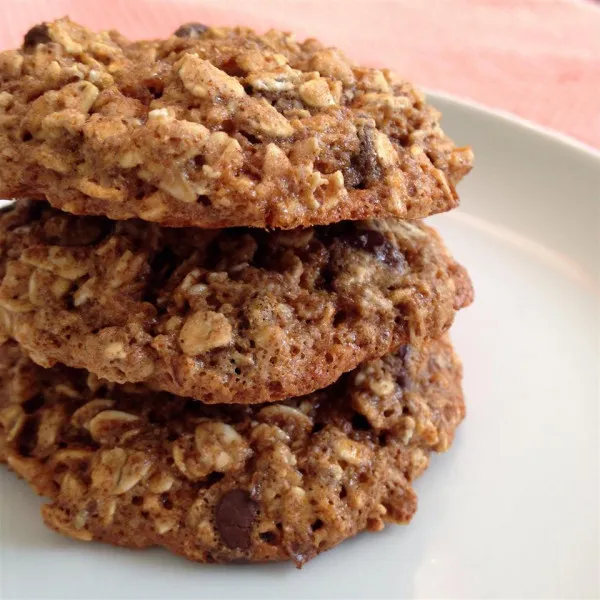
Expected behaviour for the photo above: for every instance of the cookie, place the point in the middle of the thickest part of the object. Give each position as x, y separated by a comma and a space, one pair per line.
131, 467
238, 315
217, 127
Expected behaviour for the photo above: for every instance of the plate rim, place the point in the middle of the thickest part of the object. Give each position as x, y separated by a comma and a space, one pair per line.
544, 131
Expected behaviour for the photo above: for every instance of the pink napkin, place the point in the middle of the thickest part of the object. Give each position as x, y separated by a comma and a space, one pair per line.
537, 58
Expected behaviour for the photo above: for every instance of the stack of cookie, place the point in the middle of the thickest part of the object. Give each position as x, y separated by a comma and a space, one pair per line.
225, 331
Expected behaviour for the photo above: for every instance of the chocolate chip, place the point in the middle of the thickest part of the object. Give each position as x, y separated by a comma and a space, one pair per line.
191, 30
364, 171
36, 35
377, 244
369, 240
234, 516
366, 239
404, 353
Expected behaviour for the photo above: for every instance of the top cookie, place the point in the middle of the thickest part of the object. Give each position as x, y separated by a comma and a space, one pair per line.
217, 127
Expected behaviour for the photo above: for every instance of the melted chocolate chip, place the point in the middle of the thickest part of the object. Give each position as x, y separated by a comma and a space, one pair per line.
364, 171
191, 30
366, 239
36, 35
402, 375
234, 517
377, 244
330, 233
369, 240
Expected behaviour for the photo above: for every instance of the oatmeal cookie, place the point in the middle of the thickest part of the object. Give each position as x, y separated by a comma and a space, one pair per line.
235, 315
217, 127
136, 468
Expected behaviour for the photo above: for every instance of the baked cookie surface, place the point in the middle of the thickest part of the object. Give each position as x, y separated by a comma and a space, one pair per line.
217, 127
128, 466
238, 315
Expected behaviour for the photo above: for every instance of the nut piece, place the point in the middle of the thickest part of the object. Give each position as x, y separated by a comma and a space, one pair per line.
259, 61
374, 80
260, 118
386, 153
80, 96
276, 162
176, 185
331, 63
382, 101
352, 452
203, 331
202, 79
282, 80
316, 93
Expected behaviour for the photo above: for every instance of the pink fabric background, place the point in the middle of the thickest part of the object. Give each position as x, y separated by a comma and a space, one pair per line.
537, 58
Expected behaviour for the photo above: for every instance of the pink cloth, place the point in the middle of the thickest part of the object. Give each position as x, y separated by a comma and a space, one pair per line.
537, 58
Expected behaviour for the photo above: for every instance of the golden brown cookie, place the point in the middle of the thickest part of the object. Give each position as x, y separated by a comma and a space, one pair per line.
217, 127
128, 466
236, 315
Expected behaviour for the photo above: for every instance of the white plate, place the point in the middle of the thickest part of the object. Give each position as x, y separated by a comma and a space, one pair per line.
512, 510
